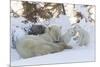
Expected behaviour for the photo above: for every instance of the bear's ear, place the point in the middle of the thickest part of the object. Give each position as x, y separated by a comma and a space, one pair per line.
49, 28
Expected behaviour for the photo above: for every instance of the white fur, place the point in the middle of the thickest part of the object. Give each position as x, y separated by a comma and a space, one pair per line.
30, 46
68, 35
83, 35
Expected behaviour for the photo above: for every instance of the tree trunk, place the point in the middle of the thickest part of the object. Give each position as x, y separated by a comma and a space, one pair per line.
64, 12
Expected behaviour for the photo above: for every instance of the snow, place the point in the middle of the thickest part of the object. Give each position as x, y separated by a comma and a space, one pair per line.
14, 55
17, 28
77, 54
17, 7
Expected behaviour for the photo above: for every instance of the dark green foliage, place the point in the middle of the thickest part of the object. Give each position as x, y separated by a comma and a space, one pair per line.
33, 13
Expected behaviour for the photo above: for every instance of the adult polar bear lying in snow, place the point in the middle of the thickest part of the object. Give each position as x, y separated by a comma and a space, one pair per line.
83, 37
49, 42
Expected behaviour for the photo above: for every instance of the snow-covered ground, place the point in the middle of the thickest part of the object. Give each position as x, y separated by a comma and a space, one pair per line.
77, 54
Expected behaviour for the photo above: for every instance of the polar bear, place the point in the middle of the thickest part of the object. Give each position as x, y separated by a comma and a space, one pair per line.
83, 37
31, 46
68, 35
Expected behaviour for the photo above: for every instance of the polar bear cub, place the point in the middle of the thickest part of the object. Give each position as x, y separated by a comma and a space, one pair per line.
83, 37
31, 46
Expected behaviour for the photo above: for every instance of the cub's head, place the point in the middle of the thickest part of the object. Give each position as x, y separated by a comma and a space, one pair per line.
55, 33
71, 32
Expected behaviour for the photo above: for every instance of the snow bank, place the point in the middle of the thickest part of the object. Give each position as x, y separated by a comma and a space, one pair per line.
18, 29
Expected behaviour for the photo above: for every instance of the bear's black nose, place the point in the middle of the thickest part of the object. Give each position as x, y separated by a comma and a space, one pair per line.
56, 41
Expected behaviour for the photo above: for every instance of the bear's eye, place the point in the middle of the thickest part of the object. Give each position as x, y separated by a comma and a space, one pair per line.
73, 32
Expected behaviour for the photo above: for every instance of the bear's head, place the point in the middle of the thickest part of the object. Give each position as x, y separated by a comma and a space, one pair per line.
55, 33
71, 32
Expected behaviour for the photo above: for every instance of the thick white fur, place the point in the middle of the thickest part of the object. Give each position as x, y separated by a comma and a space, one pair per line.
83, 36
68, 35
30, 46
